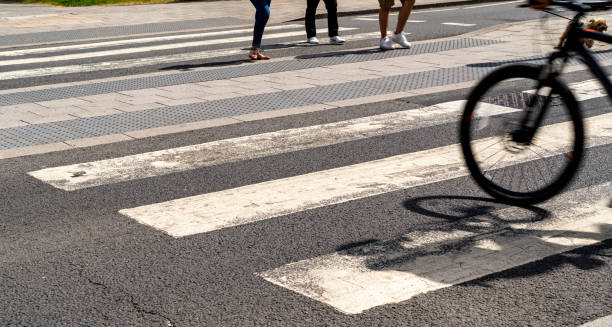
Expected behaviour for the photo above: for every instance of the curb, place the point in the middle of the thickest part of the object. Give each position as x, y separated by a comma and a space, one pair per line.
395, 9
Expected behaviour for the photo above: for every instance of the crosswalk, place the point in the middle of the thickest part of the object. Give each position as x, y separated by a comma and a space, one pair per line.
148, 54
396, 270
100, 44
369, 275
103, 53
351, 280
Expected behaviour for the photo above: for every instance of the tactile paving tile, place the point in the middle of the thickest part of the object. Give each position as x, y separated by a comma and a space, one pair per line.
131, 121
301, 62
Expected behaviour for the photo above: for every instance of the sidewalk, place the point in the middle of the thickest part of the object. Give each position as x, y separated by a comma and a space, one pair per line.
24, 18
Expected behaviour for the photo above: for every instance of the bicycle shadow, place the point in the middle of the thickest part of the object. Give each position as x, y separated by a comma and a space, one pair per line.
479, 241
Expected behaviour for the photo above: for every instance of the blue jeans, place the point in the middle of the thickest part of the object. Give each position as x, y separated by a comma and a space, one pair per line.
262, 13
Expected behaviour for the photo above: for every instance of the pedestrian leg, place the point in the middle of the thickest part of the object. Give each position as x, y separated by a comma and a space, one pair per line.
311, 11
404, 13
383, 21
332, 17
262, 14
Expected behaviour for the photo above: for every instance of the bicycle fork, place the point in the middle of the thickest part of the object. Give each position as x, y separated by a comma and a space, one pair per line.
529, 125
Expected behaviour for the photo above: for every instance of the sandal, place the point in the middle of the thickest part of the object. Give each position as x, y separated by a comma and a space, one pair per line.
261, 56
256, 55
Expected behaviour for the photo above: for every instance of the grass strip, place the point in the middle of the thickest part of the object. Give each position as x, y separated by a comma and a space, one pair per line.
84, 3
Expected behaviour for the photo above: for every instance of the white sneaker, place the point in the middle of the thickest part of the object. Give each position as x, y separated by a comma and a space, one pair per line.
401, 40
336, 40
313, 40
385, 43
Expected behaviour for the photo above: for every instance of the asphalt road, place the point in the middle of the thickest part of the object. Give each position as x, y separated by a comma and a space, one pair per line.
70, 258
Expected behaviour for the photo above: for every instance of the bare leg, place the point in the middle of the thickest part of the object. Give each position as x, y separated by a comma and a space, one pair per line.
404, 13
383, 21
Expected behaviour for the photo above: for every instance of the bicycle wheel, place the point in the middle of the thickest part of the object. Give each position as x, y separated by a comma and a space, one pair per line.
521, 173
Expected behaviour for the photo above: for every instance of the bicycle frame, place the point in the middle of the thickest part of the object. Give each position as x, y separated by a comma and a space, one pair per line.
573, 44
571, 47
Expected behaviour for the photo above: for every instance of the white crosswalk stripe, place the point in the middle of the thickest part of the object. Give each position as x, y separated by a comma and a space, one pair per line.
458, 24
107, 53
249, 147
392, 271
601, 322
242, 205
147, 61
133, 41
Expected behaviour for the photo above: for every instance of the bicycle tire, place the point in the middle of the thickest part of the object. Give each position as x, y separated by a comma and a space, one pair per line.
505, 195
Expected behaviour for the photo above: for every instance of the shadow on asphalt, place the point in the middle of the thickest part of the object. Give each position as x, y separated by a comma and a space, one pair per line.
506, 62
340, 53
529, 59
207, 64
451, 209
480, 219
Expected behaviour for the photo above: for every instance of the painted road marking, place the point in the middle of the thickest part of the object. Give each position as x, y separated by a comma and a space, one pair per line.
393, 271
174, 160
147, 61
494, 4
458, 24
601, 322
28, 17
77, 56
251, 203
434, 10
587, 90
93, 45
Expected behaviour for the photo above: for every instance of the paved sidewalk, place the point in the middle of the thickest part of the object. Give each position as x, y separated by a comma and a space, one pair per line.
22, 18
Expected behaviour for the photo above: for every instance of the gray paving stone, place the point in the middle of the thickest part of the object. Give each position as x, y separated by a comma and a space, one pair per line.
305, 62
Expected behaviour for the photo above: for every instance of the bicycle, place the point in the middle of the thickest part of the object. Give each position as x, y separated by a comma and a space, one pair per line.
497, 119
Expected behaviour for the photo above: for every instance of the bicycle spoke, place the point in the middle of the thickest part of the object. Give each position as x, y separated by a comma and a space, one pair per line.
521, 178
491, 167
491, 145
539, 170
518, 172
552, 154
536, 153
505, 173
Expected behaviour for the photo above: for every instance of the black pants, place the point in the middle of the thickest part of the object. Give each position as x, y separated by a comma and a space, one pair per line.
332, 17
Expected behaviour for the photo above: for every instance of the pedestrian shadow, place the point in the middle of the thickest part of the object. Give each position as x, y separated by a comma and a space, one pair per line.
475, 242
235, 62
206, 64
343, 53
